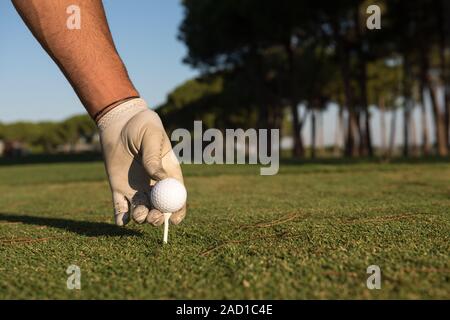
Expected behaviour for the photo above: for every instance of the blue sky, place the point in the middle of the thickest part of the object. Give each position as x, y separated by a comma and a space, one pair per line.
33, 88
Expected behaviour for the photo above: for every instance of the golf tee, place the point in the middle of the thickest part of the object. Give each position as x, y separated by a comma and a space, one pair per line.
166, 226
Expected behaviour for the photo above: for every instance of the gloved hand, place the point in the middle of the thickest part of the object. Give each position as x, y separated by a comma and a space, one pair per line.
137, 153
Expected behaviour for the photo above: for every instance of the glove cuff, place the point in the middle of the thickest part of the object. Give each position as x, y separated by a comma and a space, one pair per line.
123, 111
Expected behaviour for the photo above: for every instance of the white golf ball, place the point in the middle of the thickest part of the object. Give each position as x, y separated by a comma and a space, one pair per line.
168, 195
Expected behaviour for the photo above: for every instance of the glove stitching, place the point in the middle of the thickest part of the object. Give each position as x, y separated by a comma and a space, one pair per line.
118, 111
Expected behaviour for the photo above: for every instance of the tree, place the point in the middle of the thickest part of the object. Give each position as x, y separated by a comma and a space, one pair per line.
257, 39
384, 76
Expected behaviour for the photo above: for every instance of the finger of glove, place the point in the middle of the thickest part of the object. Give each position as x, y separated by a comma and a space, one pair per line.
121, 210
139, 206
153, 143
139, 214
155, 217
178, 216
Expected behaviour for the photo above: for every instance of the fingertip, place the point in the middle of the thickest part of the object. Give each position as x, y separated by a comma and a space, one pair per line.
140, 214
121, 210
122, 219
178, 216
155, 217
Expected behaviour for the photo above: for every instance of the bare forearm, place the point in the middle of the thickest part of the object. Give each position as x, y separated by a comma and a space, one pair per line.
87, 56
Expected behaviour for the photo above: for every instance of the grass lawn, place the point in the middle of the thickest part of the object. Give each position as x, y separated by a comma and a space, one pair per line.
309, 232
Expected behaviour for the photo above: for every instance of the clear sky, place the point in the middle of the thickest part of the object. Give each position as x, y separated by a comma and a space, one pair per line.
145, 33
33, 88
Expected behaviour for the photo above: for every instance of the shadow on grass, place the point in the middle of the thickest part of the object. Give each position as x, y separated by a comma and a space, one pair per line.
85, 228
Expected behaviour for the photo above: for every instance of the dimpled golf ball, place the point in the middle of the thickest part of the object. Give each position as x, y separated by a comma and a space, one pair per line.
168, 195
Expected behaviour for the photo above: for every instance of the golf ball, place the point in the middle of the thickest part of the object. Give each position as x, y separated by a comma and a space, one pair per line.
168, 195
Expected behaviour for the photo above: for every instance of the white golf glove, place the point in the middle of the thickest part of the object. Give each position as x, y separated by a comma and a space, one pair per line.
137, 153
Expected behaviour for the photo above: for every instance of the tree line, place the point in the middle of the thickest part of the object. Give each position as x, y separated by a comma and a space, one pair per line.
261, 59
47, 136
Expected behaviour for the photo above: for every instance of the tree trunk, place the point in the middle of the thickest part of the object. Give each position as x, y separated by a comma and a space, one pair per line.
439, 122
276, 117
350, 150
407, 103
313, 133
443, 9
320, 137
366, 141
392, 133
361, 133
298, 145
382, 125
344, 63
365, 133
440, 132
412, 131
339, 136
424, 121
298, 150
406, 125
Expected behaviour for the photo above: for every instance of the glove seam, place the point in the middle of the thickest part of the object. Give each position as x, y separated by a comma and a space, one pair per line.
115, 113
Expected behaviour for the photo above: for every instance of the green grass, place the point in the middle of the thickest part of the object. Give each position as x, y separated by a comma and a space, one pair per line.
309, 232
